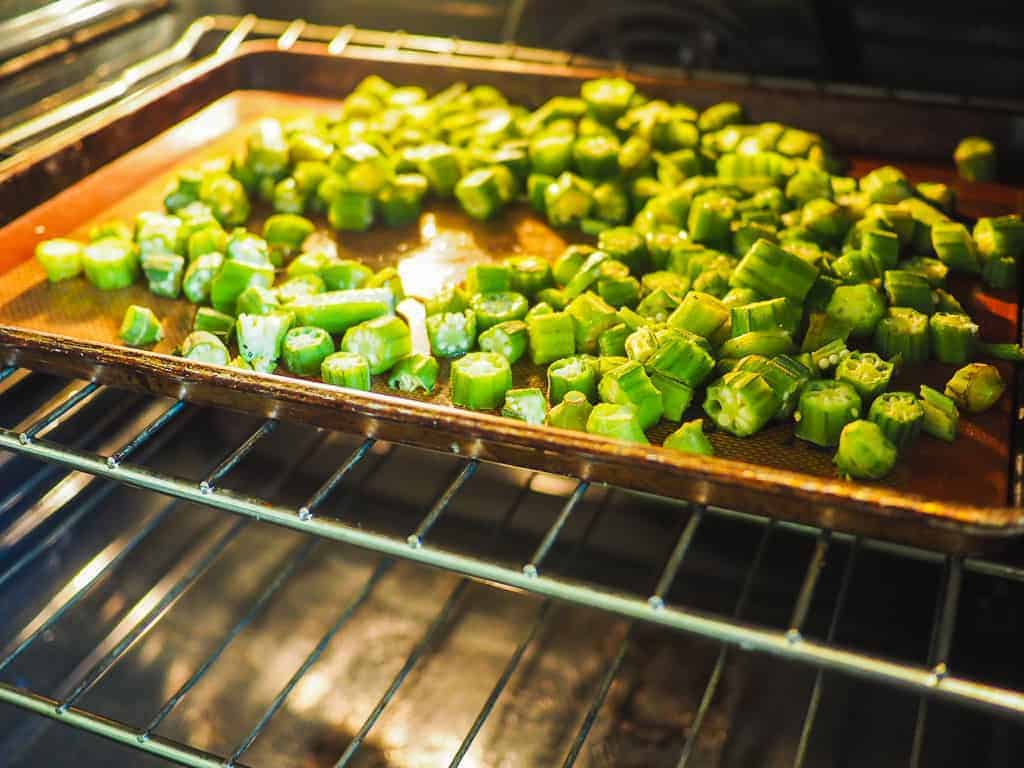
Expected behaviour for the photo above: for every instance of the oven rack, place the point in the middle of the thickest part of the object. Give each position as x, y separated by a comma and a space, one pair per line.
65, 465
30, 439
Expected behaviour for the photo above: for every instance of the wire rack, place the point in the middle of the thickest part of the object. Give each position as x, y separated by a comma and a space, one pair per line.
69, 479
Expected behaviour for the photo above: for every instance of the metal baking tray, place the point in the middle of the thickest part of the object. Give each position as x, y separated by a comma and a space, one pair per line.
959, 497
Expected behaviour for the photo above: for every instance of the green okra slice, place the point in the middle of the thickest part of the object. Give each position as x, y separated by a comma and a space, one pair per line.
864, 452
826, 407
346, 369
479, 380
305, 348
383, 341
690, 438
140, 327
414, 372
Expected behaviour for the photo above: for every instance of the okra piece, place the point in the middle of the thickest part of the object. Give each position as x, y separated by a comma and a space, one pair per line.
571, 413
629, 385
219, 324
675, 395
536, 183
1000, 273
741, 402
204, 347
260, 338
449, 299
908, 289
607, 99
362, 166
682, 358
337, 311
619, 421
401, 201
690, 438
60, 258
140, 327
899, 415
414, 372
975, 387
596, 157
383, 341
480, 380
613, 340
587, 275
953, 338
709, 220
550, 155
344, 274
240, 363
248, 248
886, 185
570, 262
184, 192
860, 307
626, 245
439, 164
305, 348
568, 200
767, 343
719, 116
825, 220
388, 279
700, 313
881, 248
527, 404
954, 246
233, 278
591, 316
572, 374
164, 273
999, 236
479, 194
738, 297
508, 339
825, 359
256, 300
784, 374
159, 233
941, 416
772, 271
618, 291
267, 150
351, 211
226, 197
940, 195
498, 307
346, 369
211, 239
199, 276
1011, 352
309, 263
903, 332
866, 372
529, 274
641, 344
111, 228
488, 278
110, 264
768, 315
975, 158
826, 407
552, 337
864, 452
452, 334
285, 233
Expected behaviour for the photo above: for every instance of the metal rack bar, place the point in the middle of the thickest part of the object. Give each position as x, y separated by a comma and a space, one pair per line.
819, 677
293, 563
415, 539
325, 490
108, 562
538, 625
134, 445
161, 421
311, 659
530, 569
668, 574
947, 600
811, 576
901, 674
70, 398
234, 457
723, 653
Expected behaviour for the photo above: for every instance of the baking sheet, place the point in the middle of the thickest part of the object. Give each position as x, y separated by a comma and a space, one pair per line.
945, 487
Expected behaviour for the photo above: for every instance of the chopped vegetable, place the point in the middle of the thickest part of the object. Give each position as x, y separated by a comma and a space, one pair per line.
140, 327
414, 372
864, 451
690, 438
526, 404
975, 387
480, 380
